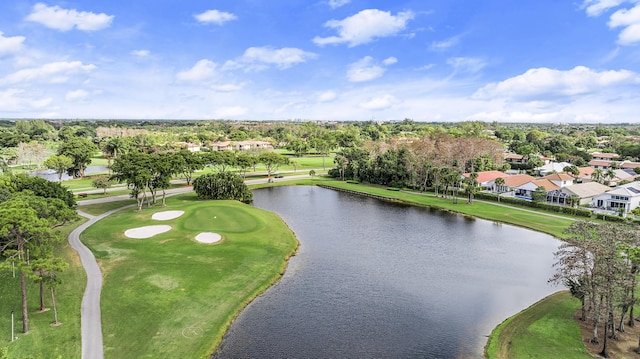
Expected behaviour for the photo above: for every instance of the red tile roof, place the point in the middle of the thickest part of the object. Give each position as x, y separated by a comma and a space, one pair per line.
487, 176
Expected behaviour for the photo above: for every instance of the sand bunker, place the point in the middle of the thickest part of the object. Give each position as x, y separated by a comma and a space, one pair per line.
167, 215
208, 237
146, 232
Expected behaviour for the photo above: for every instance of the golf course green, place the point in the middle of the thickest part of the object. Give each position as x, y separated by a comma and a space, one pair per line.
169, 296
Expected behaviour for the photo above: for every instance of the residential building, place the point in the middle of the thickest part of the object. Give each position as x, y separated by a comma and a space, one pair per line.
514, 158
511, 182
240, 145
554, 167
624, 198
560, 179
525, 190
486, 178
584, 191
605, 156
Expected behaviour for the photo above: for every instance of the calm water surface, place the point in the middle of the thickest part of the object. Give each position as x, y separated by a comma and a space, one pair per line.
379, 280
51, 175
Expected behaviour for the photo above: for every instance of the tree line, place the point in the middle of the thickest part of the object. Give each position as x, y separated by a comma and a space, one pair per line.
152, 172
600, 264
31, 209
429, 162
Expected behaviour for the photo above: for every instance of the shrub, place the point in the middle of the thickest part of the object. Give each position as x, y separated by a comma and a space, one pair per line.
223, 185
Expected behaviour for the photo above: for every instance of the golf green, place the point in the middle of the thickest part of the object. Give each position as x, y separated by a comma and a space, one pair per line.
173, 297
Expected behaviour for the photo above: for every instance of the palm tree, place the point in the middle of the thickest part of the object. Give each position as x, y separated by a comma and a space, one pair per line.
597, 175
472, 186
499, 184
611, 174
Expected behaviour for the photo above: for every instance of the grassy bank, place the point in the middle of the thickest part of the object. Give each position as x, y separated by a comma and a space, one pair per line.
44, 340
169, 296
520, 216
544, 330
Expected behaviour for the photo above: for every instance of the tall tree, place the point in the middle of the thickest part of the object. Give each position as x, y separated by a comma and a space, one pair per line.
81, 150
59, 164
272, 161
472, 186
26, 223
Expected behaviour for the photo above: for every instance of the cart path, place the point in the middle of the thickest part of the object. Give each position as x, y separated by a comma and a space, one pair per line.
90, 323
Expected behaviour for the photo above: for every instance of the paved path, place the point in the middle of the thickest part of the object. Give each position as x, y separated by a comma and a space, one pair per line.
91, 326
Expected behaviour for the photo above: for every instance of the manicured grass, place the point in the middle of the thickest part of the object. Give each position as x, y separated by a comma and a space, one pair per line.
44, 340
171, 297
544, 330
309, 162
98, 209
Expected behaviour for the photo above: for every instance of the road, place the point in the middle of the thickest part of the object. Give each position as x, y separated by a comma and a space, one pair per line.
90, 321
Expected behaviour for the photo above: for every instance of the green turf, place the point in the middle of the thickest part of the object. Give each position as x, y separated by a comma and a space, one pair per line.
169, 296
544, 330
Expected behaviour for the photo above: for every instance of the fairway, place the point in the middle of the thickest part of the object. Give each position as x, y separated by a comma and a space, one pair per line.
171, 296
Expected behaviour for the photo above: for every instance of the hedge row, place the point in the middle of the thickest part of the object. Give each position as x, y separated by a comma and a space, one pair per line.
540, 205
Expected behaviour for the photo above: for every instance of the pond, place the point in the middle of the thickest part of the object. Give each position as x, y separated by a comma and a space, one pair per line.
374, 279
51, 175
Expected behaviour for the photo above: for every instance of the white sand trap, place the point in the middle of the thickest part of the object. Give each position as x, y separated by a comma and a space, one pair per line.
208, 237
146, 232
167, 215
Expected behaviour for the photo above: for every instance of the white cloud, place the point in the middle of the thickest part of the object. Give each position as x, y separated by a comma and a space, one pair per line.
445, 44
13, 100
390, 61
202, 70
364, 70
327, 96
141, 53
10, 45
545, 82
57, 18
380, 102
260, 58
215, 17
466, 64
597, 7
364, 27
334, 4
230, 112
55, 72
630, 21
76, 95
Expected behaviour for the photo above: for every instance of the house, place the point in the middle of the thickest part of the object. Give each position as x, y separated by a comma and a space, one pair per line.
511, 182
514, 158
600, 164
486, 178
191, 147
240, 145
560, 179
552, 167
629, 165
526, 190
584, 191
584, 175
624, 198
605, 156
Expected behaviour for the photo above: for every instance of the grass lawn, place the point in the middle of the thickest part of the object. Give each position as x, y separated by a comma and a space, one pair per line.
544, 330
171, 297
44, 340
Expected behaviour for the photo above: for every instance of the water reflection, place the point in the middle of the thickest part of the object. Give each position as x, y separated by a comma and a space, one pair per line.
384, 280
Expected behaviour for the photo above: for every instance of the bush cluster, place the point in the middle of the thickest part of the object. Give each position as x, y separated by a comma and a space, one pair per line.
580, 212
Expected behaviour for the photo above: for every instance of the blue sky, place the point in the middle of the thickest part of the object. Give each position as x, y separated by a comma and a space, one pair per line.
428, 60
